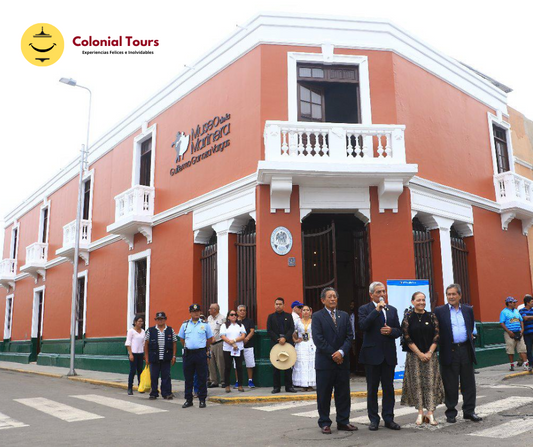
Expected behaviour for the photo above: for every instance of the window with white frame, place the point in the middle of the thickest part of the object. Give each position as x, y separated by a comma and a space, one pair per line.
139, 286
144, 157
81, 304
37, 315
501, 147
86, 199
43, 226
14, 241
8, 320
320, 82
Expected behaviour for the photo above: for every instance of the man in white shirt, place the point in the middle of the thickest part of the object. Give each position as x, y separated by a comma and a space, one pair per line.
296, 307
216, 320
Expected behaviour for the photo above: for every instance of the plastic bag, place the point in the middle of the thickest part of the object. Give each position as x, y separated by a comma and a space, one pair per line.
145, 384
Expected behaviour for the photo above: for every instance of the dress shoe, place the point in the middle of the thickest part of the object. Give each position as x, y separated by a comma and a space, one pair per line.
153, 397
187, 404
392, 425
473, 417
202, 404
346, 427
169, 397
451, 420
326, 430
276, 391
212, 385
130, 392
290, 390
373, 426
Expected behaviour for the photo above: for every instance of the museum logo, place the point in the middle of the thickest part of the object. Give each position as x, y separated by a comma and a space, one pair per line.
42, 44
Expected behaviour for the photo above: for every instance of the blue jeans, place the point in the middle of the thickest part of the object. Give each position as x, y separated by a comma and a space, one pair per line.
160, 367
135, 367
528, 340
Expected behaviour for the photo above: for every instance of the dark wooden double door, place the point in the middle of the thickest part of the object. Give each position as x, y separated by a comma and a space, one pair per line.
335, 254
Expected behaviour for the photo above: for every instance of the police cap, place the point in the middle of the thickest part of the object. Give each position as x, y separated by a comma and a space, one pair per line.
194, 307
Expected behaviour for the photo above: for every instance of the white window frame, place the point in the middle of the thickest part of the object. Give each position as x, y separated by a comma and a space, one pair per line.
7, 333
328, 58
131, 285
146, 133
35, 325
84, 274
498, 120
86, 176
45, 205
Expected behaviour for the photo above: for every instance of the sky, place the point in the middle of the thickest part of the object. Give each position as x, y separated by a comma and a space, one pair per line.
45, 122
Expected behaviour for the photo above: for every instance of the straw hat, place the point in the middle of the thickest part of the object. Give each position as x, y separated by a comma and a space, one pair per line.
283, 356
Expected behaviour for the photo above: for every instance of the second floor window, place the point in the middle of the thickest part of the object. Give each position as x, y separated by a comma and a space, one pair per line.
44, 226
86, 199
146, 163
14, 239
500, 145
328, 93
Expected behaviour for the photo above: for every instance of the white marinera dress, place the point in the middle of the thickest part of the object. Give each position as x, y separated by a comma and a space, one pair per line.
304, 374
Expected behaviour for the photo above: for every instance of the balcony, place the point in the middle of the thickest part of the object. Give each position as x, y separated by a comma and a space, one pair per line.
69, 239
36, 257
8, 270
134, 210
515, 194
333, 154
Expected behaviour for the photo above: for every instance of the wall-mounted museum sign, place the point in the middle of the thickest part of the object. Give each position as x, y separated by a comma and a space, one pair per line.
203, 141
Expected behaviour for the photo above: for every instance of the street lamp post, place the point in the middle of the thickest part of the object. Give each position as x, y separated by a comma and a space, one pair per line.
83, 167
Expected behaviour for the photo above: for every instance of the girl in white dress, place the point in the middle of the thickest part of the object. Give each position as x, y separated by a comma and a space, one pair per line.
304, 370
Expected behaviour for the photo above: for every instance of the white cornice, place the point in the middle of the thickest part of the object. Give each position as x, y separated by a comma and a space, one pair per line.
469, 198
280, 29
523, 163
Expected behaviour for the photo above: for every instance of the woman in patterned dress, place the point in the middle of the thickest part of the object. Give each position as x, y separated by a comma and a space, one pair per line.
304, 374
422, 383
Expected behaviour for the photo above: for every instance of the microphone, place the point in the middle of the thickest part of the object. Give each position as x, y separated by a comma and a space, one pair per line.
381, 300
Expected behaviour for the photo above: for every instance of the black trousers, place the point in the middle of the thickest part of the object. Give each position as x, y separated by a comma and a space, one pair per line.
376, 374
528, 340
287, 375
461, 370
160, 367
328, 380
195, 361
228, 363
136, 367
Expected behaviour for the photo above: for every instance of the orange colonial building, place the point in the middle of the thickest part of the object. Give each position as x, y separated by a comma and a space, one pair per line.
379, 157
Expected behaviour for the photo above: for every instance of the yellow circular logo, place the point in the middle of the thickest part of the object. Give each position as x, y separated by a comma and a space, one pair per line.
42, 44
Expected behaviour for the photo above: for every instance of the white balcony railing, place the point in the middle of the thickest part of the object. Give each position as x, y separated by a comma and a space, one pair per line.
136, 201
8, 268
69, 234
511, 187
331, 142
37, 253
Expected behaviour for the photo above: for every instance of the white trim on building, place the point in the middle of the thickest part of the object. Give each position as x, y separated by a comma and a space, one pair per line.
131, 285
37, 323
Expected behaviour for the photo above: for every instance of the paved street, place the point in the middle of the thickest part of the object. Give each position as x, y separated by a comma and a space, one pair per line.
43, 411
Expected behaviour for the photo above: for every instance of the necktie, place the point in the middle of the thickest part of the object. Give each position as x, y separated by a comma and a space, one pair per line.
333, 317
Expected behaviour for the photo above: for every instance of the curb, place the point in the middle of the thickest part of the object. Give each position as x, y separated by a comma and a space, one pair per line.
123, 386
523, 373
38, 373
281, 398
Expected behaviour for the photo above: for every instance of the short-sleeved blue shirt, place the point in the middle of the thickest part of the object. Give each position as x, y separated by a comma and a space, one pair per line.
195, 334
511, 319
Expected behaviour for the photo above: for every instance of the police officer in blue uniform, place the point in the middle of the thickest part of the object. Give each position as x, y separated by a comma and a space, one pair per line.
196, 336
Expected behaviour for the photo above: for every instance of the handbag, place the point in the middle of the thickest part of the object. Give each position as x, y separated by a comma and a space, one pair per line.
145, 384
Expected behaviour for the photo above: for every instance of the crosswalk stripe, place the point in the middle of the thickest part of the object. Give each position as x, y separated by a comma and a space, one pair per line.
502, 405
118, 404
356, 406
286, 405
58, 410
7, 422
509, 429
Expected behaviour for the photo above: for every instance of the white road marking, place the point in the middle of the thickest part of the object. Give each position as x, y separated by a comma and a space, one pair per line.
502, 405
286, 405
118, 404
7, 422
508, 430
356, 406
58, 410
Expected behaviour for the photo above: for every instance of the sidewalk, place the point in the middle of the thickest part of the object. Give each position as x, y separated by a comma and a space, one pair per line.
486, 377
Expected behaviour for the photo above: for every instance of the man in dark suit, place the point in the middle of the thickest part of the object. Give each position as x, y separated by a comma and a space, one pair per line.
380, 325
280, 327
332, 335
457, 354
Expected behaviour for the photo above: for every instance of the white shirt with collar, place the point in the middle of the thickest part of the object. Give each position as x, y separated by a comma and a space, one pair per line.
382, 310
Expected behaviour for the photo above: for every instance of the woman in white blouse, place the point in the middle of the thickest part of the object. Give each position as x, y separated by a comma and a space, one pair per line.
135, 346
304, 374
233, 333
